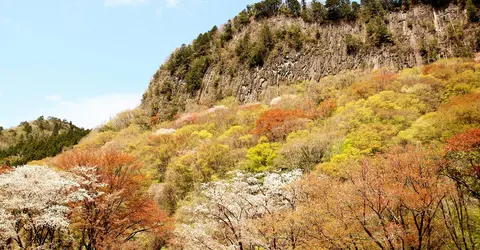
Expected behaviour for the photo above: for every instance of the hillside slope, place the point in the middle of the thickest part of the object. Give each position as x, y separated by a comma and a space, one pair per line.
327, 126
404, 139
37, 139
262, 54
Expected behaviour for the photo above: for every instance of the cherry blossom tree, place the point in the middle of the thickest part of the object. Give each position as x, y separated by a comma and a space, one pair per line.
224, 217
34, 207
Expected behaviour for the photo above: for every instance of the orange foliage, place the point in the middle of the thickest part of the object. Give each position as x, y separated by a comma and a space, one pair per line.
327, 107
428, 68
468, 141
276, 124
465, 100
122, 209
385, 78
463, 155
439, 70
391, 201
4, 168
369, 87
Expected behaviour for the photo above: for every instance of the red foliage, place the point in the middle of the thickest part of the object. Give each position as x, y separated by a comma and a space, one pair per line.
123, 210
327, 107
385, 78
154, 119
177, 116
276, 124
464, 100
4, 168
466, 142
427, 69
463, 158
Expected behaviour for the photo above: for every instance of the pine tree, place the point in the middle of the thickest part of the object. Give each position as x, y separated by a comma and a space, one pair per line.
293, 7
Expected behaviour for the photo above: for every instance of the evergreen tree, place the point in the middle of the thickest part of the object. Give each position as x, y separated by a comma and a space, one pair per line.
294, 7
318, 11
227, 34
472, 11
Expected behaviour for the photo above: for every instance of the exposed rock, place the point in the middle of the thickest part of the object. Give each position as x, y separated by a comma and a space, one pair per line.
326, 54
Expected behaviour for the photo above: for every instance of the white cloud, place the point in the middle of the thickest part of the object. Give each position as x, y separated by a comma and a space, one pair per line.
172, 3
93, 111
125, 2
53, 98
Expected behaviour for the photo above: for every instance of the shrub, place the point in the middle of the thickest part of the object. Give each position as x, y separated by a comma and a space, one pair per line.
353, 44
305, 150
276, 124
260, 158
262, 47
429, 50
378, 32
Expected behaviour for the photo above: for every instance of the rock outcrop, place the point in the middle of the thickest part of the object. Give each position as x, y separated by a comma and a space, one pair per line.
445, 32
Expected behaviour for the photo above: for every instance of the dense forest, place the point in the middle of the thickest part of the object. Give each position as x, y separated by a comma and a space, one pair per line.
382, 158
37, 140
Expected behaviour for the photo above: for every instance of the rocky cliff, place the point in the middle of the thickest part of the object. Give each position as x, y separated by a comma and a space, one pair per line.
419, 35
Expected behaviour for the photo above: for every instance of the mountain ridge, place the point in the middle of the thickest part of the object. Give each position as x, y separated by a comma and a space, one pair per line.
303, 50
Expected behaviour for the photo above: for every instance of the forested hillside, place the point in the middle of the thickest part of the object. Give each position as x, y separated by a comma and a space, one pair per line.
37, 139
363, 159
272, 44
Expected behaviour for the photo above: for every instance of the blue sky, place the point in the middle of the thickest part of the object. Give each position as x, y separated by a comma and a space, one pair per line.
86, 60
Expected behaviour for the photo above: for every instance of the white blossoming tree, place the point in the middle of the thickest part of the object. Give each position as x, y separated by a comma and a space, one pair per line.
34, 208
224, 217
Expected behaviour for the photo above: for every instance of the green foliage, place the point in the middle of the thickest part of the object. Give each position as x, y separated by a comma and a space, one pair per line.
227, 34
353, 44
459, 114
292, 35
334, 9
201, 44
339, 9
266, 8
179, 61
319, 13
378, 32
472, 11
215, 161
327, 127
257, 52
47, 139
241, 20
260, 158
195, 74
242, 49
429, 50
294, 7
477, 37
306, 149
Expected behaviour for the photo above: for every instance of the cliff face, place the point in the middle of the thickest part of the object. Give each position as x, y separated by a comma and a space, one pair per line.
419, 35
